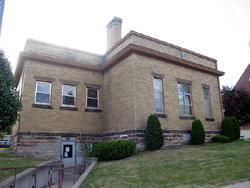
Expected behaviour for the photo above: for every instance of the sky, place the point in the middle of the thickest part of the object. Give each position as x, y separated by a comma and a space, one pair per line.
219, 29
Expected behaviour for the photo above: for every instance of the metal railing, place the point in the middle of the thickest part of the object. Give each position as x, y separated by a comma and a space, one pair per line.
61, 174
34, 174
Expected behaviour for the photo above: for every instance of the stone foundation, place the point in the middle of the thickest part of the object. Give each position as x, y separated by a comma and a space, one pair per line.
48, 145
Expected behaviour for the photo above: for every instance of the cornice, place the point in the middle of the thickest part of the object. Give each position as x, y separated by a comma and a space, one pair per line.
128, 50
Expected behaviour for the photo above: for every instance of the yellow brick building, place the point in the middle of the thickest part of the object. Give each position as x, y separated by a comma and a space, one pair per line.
70, 95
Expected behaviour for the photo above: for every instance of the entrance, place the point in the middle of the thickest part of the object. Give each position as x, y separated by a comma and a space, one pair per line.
68, 153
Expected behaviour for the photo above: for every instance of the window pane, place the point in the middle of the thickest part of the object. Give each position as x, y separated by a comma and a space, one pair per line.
205, 93
42, 98
158, 102
188, 110
69, 90
43, 87
68, 100
185, 99
208, 110
92, 103
92, 93
157, 84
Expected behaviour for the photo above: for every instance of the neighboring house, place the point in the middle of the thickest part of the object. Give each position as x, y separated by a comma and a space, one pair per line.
244, 81
70, 95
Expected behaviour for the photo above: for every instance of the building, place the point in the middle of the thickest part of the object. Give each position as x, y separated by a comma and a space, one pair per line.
244, 81
70, 95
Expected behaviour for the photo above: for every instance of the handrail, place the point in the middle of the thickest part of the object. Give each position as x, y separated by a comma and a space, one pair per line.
36, 167
61, 172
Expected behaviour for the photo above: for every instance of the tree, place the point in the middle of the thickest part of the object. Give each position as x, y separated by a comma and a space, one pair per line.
227, 128
236, 103
197, 133
154, 133
10, 103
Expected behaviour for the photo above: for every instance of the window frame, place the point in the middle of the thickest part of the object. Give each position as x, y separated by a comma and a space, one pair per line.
163, 105
98, 99
65, 105
209, 99
191, 100
50, 84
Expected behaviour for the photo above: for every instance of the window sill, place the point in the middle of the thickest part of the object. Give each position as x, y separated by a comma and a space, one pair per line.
188, 117
92, 110
209, 119
46, 106
68, 108
161, 115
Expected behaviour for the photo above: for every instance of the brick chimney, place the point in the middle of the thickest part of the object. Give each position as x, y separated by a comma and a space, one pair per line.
113, 32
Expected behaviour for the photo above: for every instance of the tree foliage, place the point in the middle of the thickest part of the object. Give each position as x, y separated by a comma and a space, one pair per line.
10, 103
154, 133
227, 128
236, 103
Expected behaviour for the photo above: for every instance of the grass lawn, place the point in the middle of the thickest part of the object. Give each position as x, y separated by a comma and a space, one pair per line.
210, 165
9, 160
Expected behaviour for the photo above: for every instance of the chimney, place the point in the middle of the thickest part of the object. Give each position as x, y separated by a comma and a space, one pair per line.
113, 32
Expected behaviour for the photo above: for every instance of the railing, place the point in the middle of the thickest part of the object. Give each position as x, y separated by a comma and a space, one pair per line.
61, 174
34, 174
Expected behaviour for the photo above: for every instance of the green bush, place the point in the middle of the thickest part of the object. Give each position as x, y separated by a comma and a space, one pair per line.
236, 128
197, 133
154, 133
221, 138
112, 150
227, 128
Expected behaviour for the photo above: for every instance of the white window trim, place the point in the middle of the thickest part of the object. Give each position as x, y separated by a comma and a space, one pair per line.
68, 96
43, 93
161, 94
92, 98
191, 101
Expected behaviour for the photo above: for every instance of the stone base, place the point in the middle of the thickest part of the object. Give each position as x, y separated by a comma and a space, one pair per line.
48, 145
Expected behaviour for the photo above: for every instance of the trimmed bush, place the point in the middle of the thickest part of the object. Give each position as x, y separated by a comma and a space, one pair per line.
197, 133
221, 138
227, 128
154, 133
236, 128
112, 150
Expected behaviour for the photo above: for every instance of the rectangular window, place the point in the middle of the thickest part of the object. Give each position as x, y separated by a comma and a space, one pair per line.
92, 98
185, 99
207, 103
43, 92
68, 95
158, 95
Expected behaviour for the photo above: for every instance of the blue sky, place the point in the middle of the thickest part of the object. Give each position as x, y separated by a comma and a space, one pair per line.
215, 28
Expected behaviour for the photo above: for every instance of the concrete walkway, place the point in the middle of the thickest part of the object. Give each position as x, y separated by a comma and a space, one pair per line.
245, 184
67, 181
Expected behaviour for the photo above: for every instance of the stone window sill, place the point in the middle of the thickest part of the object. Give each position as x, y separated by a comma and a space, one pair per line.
209, 119
45, 106
68, 108
188, 117
92, 110
161, 115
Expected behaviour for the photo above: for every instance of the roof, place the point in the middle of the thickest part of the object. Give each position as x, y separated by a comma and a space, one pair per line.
244, 81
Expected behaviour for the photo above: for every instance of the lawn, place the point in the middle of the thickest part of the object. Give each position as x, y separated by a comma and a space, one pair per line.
9, 160
209, 165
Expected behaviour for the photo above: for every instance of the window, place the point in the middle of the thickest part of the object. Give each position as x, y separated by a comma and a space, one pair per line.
92, 98
158, 95
185, 99
207, 103
68, 95
43, 92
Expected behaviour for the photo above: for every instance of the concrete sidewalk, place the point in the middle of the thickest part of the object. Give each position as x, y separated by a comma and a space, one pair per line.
245, 184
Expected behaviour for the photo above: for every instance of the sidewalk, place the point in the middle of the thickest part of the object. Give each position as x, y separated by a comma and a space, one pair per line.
245, 184
67, 181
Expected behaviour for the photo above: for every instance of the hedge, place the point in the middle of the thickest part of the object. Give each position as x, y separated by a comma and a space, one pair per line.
221, 138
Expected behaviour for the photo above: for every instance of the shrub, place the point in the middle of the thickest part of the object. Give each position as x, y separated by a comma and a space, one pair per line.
236, 128
154, 133
227, 128
197, 132
112, 150
221, 138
